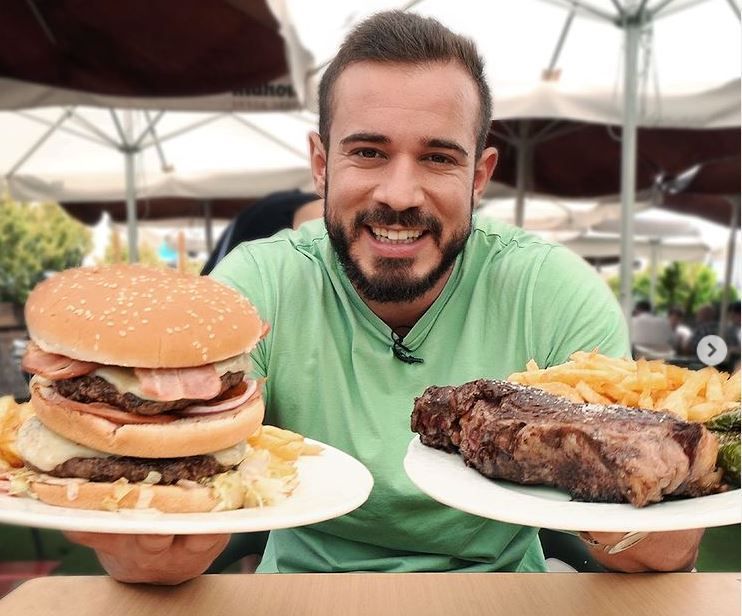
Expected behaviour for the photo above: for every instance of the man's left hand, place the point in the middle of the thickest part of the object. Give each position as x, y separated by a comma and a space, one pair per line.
662, 551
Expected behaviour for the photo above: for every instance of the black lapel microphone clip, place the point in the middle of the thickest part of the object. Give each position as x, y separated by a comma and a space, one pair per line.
402, 353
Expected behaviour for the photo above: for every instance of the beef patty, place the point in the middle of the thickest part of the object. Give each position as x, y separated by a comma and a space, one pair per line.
95, 389
137, 469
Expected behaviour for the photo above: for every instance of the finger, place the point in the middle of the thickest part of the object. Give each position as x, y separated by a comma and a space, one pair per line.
204, 543
606, 537
154, 544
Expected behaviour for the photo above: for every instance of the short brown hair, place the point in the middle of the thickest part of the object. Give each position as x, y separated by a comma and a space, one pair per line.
399, 37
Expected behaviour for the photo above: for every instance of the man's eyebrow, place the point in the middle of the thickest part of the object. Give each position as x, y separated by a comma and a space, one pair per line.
433, 142
446, 145
367, 137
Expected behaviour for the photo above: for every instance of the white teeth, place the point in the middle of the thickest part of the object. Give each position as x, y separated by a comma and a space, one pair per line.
394, 235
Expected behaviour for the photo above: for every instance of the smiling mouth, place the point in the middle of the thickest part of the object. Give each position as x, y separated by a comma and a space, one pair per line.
396, 236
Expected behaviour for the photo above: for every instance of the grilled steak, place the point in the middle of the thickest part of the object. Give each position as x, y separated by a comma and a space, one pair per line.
596, 453
137, 469
95, 389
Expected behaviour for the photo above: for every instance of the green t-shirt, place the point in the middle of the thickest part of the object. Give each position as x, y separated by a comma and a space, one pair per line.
333, 377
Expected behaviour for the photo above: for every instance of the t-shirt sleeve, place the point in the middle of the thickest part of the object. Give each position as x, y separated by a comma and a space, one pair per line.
573, 309
240, 270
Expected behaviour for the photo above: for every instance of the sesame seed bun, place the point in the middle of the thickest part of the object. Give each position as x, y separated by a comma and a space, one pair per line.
137, 316
188, 436
100, 495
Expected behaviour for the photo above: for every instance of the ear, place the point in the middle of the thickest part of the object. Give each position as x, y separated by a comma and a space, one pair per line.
483, 172
318, 161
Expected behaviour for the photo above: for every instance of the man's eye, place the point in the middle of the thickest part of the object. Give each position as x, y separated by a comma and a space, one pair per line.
440, 159
367, 153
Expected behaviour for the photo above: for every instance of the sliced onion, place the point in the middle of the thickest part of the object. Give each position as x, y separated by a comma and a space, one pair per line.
144, 500
73, 490
226, 405
188, 484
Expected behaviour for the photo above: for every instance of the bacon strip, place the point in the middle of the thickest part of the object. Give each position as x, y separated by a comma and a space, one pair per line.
52, 366
238, 395
164, 384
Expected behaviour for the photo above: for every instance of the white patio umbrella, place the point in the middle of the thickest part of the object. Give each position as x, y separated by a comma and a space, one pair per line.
546, 213
88, 154
672, 63
603, 245
276, 95
667, 235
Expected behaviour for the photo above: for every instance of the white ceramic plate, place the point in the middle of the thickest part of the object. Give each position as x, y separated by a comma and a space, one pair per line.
331, 484
444, 477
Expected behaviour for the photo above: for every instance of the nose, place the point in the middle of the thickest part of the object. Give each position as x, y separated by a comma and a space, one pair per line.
400, 186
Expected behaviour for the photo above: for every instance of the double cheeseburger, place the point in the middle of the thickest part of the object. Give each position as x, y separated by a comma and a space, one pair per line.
141, 391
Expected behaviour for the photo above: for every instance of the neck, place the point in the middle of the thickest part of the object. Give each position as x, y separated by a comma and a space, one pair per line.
401, 316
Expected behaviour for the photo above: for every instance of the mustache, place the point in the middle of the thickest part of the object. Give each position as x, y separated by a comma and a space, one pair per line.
386, 217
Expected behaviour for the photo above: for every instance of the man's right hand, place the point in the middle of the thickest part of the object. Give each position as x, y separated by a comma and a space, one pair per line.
153, 559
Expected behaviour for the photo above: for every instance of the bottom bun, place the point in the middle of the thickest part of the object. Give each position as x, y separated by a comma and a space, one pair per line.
188, 436
103, 496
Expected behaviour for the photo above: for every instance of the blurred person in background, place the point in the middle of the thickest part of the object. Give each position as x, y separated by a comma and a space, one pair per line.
651, 335
267, 216
707, 324
681, 332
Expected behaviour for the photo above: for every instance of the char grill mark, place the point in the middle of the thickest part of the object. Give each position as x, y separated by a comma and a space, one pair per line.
596, 453
95, 389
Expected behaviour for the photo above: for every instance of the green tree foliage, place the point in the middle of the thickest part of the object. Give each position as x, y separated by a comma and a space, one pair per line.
685, 285
35, 239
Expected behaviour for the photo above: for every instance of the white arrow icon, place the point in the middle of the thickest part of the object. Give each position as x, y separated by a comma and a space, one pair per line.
711, 350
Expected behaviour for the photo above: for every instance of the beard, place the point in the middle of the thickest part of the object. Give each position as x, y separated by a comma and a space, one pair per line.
392, 279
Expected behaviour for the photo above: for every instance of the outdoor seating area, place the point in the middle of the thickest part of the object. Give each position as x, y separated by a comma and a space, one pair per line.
400, 289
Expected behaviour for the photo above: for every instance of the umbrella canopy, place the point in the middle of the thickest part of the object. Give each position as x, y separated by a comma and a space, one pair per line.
84, 154
559, 58
221, 54
196, 155
654, 223
224, 55
578, 160
594, 245
546, 213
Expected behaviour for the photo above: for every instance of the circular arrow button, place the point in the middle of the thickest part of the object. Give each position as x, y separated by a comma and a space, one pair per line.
712, 350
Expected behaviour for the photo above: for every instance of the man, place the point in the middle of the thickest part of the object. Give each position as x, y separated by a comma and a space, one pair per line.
398, 291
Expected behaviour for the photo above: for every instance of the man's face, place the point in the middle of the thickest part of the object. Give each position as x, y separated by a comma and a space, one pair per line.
400, 178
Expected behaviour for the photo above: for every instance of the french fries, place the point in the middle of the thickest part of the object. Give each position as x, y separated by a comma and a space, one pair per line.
12, 415
652, 385
284, 444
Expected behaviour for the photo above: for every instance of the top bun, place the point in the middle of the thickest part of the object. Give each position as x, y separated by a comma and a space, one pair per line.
131, 315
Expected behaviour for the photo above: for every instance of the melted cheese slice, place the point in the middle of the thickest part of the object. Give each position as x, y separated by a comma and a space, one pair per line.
46, 450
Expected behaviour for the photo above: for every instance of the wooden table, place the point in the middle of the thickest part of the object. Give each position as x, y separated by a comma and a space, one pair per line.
361, 594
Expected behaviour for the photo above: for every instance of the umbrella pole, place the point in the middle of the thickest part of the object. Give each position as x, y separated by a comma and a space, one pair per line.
131, 207
654, 248
628, 168
733, 224
208, 226
524, 146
